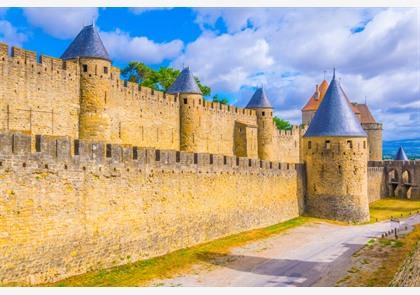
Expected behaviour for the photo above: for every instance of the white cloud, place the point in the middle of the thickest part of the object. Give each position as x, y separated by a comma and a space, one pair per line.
62, 23
141, 10
381, 61
10, 35
120, 44
227, 62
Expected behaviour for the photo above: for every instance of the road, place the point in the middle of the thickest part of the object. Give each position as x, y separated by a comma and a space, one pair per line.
310, 255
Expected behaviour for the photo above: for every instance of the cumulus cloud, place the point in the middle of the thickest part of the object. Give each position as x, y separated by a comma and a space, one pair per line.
376, 52
62, 23
10, 35
127, 48
141, 10
227, 61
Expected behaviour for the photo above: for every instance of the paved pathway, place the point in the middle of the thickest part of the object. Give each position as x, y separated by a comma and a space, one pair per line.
309, 255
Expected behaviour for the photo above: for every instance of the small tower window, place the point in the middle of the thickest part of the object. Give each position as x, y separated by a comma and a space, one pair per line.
185, 101
85, 68
327, 144
105, 70
309, 145
364, 144
263, 113
350, 144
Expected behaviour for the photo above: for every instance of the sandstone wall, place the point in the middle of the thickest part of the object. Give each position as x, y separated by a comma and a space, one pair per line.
73, 206
376, 184
337, 177
38, 96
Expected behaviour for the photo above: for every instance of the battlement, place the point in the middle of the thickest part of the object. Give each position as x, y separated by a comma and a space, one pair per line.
43, 63
373, 126
63, 153
395, 164
296, 130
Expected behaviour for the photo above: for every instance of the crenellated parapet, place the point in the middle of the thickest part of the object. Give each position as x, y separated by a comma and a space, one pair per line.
18, 151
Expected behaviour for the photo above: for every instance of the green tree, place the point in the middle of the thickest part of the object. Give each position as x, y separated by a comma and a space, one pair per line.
160, 79
282, 124
221, 100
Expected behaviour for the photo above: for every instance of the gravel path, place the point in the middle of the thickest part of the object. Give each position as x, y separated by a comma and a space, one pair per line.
309, 255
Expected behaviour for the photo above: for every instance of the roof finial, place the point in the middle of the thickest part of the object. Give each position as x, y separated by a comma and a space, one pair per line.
333, 73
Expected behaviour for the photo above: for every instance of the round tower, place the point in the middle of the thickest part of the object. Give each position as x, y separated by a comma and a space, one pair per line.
265, 125
191, 102
335, 153
95, 86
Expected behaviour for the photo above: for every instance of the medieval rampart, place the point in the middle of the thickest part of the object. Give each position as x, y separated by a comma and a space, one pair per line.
69, 206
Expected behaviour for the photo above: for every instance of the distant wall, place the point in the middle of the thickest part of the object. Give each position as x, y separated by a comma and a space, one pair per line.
78, 205
38, 96
376, 184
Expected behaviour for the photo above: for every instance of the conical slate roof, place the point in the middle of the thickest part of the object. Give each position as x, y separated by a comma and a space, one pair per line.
184, 83
334, 116
259, 100
401, 156
87, 43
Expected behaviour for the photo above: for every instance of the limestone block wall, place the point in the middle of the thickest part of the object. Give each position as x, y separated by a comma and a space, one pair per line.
142, 116
287, 145
374, 132
74, 205
337, 177
38, 95
376, 184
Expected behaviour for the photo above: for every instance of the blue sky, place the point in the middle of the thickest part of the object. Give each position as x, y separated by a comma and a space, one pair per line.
376, 50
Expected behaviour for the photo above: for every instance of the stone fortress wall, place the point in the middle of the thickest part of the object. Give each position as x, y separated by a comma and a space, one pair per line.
43, 97
69, 206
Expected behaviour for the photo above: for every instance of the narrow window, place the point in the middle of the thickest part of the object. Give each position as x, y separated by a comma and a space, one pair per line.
185, 101
224, 160
157, 155
211, 159
309, 145
38, 143
364, 144
261, 164
178, 157
76, 147
249, 162
105, 70
85, 68
108, 151
263, 113
350, 144
135, 153
195, 158
237, 161
327, 144
105, 97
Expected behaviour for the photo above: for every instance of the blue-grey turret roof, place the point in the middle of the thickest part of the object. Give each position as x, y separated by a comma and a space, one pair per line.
87, 43
334, 116
401, 156
184, 83
259, 100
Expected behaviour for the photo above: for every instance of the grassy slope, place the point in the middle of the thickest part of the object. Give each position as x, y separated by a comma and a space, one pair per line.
383, 257
389, 208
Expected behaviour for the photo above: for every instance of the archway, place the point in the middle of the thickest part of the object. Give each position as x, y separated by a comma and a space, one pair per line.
406, 183
393, 182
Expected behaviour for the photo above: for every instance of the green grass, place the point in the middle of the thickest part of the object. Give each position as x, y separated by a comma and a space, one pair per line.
392, 208
142, 272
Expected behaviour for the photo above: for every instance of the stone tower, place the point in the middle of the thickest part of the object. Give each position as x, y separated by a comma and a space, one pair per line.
335, 153
95, 68
374, 132
260, 103
191, 104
